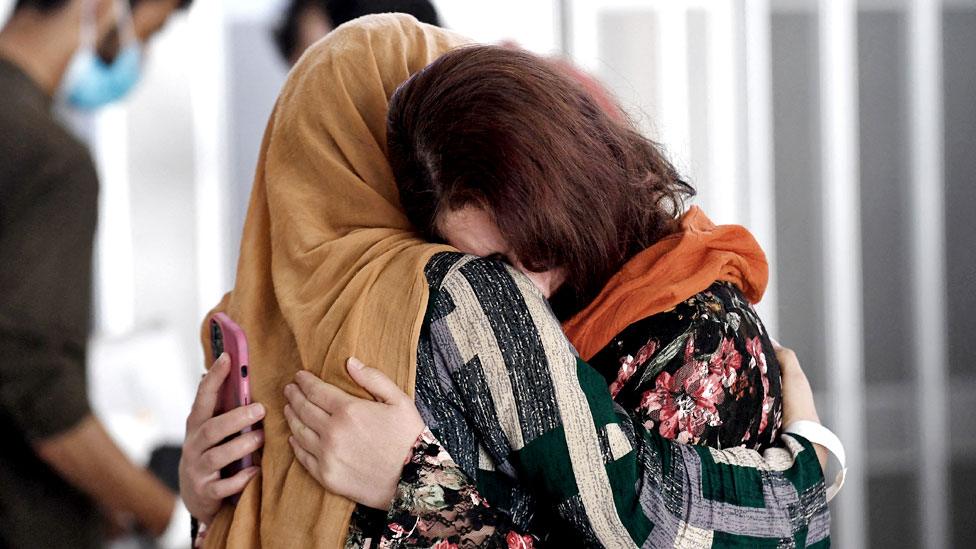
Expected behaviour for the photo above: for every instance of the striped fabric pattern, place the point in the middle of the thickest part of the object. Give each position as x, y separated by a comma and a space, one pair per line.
535, 428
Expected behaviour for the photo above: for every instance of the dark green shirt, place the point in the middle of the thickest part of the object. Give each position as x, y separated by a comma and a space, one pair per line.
48, 207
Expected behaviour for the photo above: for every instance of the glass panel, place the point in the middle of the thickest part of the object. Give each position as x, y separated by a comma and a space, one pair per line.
796, 134
959, 48
962, 502
885, 176
960, 137
892, 507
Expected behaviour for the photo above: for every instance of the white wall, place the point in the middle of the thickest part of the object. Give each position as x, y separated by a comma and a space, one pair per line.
5, 7
533, 25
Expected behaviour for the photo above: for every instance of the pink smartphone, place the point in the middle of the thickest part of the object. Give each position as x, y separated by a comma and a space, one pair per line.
227, 336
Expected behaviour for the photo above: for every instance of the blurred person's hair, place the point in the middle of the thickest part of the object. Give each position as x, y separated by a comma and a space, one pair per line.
51, 5
40, 5
569, 185
342, 11
183, 4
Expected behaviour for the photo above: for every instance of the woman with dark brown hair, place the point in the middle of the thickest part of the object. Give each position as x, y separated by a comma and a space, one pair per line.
571, 188
502, 155
499, 154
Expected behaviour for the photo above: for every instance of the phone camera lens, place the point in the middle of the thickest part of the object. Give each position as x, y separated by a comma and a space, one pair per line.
244, 371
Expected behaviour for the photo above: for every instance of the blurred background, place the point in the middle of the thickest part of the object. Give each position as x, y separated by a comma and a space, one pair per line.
840, 132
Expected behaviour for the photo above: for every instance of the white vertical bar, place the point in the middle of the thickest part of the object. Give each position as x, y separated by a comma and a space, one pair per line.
673, 89
723, 98
208, 93
759, 144
928, 264
584, 33
6, 7
114, 264
842, 253
564, 22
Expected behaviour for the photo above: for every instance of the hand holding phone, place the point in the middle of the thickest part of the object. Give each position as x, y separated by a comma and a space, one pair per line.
204, 455
227, 336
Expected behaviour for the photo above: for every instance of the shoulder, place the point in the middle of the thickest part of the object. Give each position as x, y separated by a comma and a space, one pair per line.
717, 320
488, 279
707, 317
713, 315
37, 148
475, 295
40, 171
720, 303
723, 304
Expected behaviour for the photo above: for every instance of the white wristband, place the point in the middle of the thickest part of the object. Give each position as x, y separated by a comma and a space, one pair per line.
818, 434
177, 534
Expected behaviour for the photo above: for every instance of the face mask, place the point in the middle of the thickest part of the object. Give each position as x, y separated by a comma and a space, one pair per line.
90, 82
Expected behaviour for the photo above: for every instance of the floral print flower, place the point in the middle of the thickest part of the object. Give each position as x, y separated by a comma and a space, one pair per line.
397, 530
686, 403
758, 358
627, 369
629, 365
429, 498
646, 351
755, 350
725, 363
516, 541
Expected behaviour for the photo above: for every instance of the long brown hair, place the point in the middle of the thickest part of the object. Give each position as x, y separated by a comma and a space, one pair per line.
569, 185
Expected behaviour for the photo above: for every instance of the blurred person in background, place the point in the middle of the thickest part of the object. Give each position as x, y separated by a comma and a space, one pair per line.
62, 478
306, 21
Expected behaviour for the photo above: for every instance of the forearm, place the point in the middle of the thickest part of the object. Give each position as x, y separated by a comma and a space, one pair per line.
88, 458
436, 501
776, 495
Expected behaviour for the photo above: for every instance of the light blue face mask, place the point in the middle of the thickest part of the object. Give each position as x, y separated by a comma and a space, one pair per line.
90, 82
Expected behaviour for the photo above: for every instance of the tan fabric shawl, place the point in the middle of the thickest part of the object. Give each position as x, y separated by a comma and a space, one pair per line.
328, 266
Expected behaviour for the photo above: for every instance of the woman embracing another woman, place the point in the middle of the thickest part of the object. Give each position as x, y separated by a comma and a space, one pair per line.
635, 422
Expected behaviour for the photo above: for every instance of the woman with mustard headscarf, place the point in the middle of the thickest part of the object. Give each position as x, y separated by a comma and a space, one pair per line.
330, 268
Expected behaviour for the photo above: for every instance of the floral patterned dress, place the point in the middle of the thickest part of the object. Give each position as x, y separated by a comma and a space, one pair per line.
701, 373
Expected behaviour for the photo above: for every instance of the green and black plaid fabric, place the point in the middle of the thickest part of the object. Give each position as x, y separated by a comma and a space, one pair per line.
535, 429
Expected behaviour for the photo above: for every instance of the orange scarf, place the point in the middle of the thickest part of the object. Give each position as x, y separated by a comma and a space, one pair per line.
668, 273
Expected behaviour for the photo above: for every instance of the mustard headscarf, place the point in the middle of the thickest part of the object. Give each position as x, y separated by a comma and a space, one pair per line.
329, 265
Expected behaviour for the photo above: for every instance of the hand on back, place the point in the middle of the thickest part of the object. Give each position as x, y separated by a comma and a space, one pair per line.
354, 447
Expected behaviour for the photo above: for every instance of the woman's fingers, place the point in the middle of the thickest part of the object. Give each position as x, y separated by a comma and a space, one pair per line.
206, 399
374, 381
307, 460
798, 400
326, 396
789, 364
307, 411
219, 457
220, 489
218, 428
306, 435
